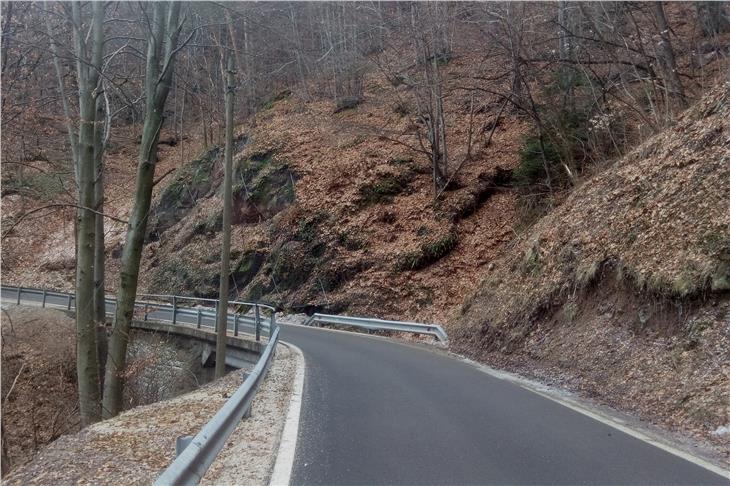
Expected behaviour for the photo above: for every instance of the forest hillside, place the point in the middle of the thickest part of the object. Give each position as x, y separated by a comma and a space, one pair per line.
549, 181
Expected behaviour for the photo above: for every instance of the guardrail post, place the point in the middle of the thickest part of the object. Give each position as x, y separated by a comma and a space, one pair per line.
174, 309
146, 310
235, 324
181, 443
199, 318
19, 289
258, 322
272, 325
68, 302
44, 298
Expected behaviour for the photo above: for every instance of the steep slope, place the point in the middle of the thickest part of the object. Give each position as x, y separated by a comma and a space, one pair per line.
622, 292
331, 213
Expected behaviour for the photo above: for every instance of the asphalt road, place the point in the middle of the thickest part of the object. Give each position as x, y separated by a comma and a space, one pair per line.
377, 412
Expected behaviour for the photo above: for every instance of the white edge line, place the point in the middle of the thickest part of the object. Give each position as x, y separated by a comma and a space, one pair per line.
546, 392
281, 474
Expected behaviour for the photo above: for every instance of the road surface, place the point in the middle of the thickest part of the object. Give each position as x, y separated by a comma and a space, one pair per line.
378, 412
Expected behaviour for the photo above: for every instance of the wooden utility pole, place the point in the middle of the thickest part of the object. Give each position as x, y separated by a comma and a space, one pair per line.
222, 324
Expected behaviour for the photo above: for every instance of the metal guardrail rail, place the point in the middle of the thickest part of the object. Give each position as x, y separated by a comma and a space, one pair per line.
190, 465
251, 316
380, 325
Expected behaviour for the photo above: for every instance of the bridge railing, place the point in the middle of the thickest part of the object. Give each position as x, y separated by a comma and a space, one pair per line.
373, 324
251, 317
200, 452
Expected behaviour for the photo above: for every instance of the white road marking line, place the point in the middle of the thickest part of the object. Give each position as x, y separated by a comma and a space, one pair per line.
614, 422
288, 443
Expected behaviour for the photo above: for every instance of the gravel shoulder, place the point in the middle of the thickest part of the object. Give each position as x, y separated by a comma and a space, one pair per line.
136, 446
250, 454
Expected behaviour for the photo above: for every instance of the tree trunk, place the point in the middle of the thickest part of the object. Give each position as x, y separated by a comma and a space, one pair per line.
99, 248
665, 55
222, 324
515, 47
87, 360
158, 77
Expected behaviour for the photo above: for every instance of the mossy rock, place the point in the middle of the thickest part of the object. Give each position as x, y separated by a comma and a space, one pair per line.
308, 226
335, 274
192, 182
263, 187
281, 95
351, 241
347, 103
247, 268
171, 277
209, 226
292, 265
45, 186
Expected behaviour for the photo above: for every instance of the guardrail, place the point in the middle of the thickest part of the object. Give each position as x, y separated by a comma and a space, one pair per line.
191, 465
380, 325
195, 459
251, 316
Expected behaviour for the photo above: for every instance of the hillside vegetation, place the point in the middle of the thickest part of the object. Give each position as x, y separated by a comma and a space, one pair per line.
623, 290
329, 215
549, 181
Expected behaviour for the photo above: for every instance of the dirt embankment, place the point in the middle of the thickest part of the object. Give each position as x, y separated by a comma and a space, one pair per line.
136, 446
622, 292
39, 377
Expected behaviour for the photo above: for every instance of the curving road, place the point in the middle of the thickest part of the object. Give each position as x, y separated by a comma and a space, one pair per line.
379, 412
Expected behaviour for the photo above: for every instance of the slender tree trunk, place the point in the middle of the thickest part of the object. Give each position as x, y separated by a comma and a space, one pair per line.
87, 360
99, 248
222, 324
665, 55
158, 78
515, 43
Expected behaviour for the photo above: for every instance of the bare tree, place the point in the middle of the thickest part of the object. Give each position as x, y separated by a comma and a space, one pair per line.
162, 47
88, 63
665, 56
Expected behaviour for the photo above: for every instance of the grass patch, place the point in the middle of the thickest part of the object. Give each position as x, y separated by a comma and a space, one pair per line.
531, 261
384, 189
586, 274
41, 185
428, 253
350, 241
